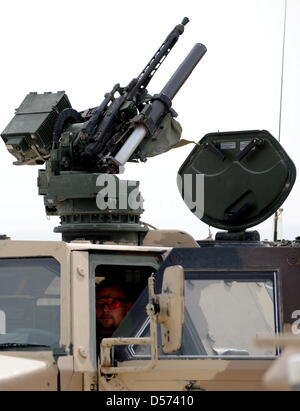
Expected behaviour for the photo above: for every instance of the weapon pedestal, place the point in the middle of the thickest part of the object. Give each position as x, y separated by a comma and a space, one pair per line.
96, 207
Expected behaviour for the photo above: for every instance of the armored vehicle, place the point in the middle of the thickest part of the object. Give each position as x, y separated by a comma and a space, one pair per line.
197, 306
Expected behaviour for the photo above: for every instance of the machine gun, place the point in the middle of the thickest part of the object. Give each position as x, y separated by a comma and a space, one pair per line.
103, 138
109, 131
99, 126
79, 148
153, 113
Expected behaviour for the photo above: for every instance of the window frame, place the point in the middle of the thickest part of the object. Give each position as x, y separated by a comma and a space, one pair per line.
215, 274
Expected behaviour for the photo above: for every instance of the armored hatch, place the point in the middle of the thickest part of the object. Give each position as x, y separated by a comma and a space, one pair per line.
236, 180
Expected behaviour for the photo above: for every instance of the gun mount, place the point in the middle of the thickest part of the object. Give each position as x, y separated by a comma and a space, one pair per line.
79, 148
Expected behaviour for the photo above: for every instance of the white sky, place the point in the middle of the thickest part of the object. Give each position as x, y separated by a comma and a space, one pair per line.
85, 47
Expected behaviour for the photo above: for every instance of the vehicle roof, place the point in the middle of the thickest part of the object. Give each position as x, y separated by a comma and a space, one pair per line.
9, 245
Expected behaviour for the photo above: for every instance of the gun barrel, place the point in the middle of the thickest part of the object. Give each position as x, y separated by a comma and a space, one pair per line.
184, 70
134, 140
146, 75
178, 79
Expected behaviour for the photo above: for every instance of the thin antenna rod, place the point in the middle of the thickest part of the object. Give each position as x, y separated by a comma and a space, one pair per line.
282, 70
278, 212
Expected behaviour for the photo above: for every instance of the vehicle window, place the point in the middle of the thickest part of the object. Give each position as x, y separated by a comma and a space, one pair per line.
224, 313
29, 303
228, 314
130, 273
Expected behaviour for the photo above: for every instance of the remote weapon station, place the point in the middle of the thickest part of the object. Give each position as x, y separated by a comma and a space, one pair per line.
193, 302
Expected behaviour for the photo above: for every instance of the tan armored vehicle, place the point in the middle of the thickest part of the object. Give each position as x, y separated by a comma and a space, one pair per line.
48, 335
197, 307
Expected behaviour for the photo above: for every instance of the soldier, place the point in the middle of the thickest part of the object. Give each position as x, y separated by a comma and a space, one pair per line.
112, 304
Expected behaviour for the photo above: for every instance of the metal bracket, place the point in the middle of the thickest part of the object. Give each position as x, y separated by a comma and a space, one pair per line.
108, 343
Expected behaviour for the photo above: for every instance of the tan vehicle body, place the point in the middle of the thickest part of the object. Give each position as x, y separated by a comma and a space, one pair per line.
77, 369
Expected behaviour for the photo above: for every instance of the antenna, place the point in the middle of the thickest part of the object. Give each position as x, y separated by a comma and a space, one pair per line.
279, 212
282, 70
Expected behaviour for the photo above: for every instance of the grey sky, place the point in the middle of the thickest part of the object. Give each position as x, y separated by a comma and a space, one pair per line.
87, 47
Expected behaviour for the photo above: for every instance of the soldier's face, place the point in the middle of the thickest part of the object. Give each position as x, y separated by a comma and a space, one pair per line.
111, 308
